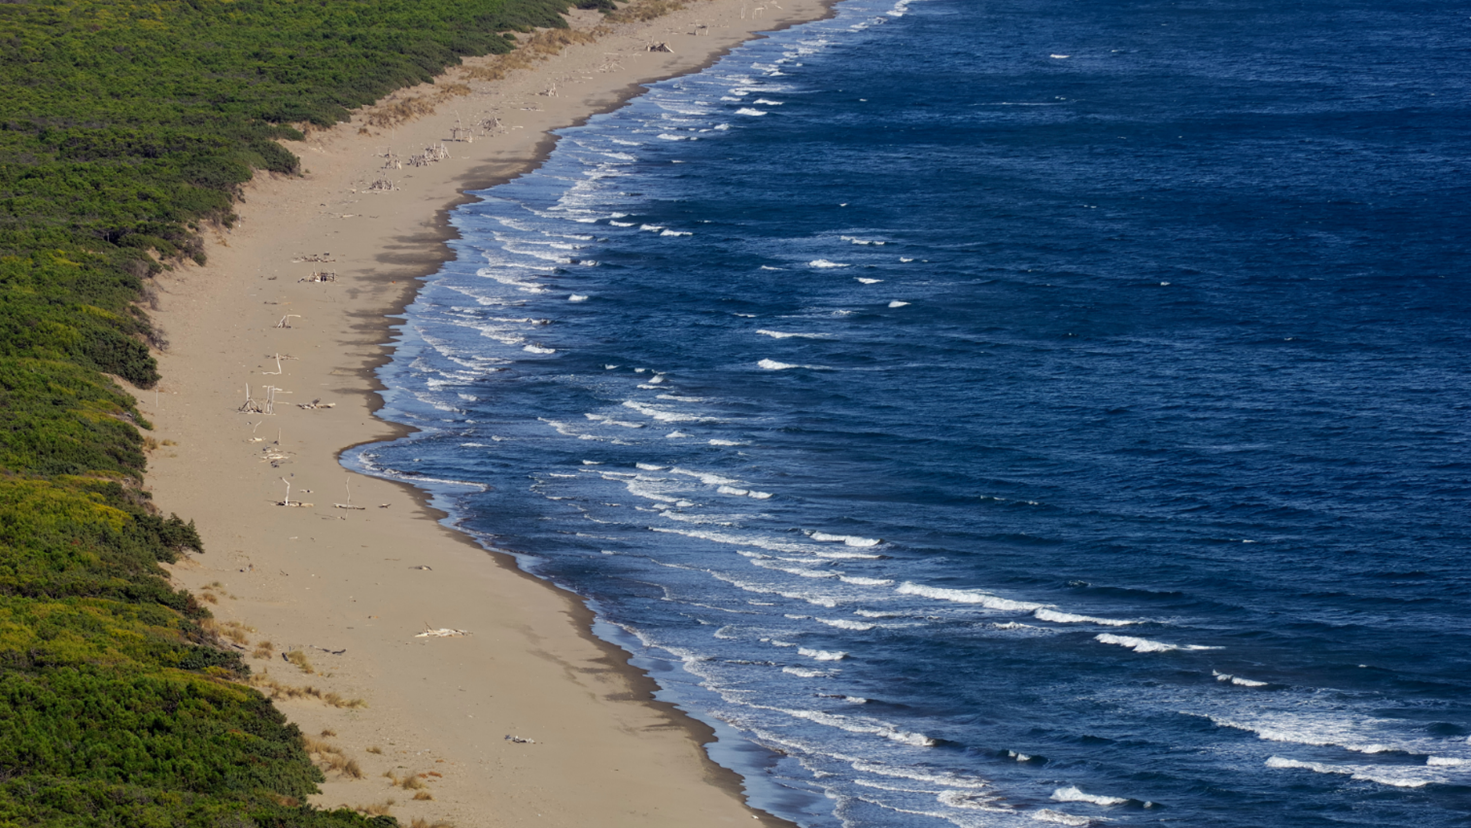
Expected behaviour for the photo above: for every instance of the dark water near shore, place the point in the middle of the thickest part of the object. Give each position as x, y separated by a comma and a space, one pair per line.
1011, 413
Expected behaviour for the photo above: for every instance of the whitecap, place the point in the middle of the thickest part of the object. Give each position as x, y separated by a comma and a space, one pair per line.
675, 233
849, 540
967, 596
898, 304
745, 110
822, 655
576, 297
867, 281
823, 263
1399, 776
845, 624
538, 349
1238, 680
773, 365
1145, 645
1072, 794
1069, 618
1060, 818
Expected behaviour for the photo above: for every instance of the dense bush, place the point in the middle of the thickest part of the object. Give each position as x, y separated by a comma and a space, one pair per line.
124, 128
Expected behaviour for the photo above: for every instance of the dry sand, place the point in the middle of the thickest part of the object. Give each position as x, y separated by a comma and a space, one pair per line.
351, 589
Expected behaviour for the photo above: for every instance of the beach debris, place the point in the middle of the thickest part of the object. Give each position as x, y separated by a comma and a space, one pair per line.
442, 632
383, 505
520, 740
287, 500
327, 651
422, 568
314, 257
660, 47
382, 185
278, 358
286, 320
315, 405
320, 275
347, 484
431, 153
460, 132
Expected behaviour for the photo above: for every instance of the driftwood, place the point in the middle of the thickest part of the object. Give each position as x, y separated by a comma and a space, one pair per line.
320, 276
348, 505
315, 257
520, 740
278, 358
316, 404
660, 47
443, 632
286, 320
384, 185
287, 501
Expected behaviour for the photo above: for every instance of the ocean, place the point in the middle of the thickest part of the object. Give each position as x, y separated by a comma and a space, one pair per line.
1001, 413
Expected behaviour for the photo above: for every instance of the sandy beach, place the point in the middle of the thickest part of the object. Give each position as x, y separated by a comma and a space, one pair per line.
351, 590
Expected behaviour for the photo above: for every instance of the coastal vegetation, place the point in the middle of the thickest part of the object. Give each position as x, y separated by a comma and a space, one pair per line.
126, 131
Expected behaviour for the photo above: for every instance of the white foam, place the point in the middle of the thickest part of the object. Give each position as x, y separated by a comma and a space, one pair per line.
675, 435
576, 297
860, 724
825, 263
867, 281
726, 443
1238, 680
787, 335
745, 110
649, 467
665, 416
1445, 762
855, 240
822, 655
765, 102
803, 672
1069, 618
1072, 794
906, 261
676, 233
1060, 818
773, 365
652, 228
667, 137
1399, 776
621, 223
897, 304
967, 596
847, 540
538, 349
857, 580
845, 624
1145, 645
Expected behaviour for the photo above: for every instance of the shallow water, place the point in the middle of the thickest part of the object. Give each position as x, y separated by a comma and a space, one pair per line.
1008, 412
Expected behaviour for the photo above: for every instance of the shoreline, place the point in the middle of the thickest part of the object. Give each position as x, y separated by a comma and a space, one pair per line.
602, 749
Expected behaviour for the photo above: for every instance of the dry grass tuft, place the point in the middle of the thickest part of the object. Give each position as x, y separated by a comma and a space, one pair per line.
423, 795
338, 701
412, 783
422, 823
375, 749
331, 757
328, 732
397, 112
538, 47
298, 658
380, 809
263, 649
642, 11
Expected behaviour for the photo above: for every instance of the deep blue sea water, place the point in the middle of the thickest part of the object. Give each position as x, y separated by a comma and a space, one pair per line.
1002, 413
